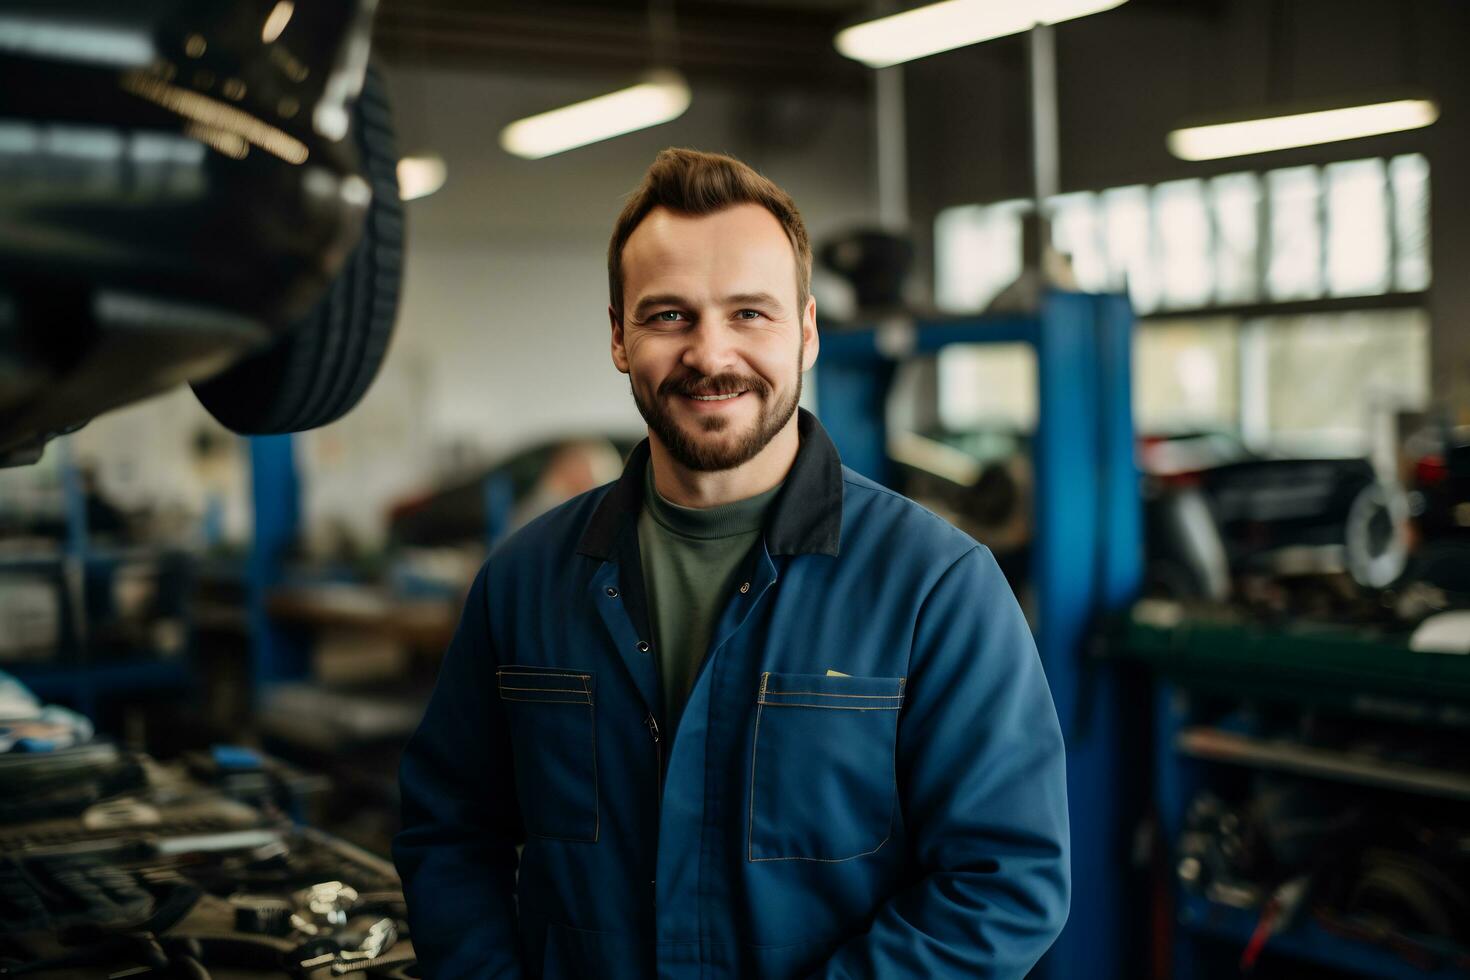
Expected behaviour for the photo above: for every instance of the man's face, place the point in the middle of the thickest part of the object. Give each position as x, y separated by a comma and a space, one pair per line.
711, 338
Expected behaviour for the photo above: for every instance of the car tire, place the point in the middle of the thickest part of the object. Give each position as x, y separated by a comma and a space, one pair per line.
324, 364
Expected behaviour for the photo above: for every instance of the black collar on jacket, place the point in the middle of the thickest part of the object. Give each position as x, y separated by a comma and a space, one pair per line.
805, 518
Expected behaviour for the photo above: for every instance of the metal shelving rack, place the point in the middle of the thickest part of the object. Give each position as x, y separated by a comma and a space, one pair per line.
1352, 671
1087, 556
1305, 941
72, 676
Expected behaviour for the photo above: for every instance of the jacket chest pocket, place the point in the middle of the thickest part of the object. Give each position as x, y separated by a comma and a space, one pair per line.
823, 785
553, 727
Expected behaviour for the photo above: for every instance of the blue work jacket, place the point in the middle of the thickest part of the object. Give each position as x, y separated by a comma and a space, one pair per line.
867, 780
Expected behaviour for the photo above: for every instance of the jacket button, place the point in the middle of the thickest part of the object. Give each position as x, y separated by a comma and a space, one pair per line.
642, 646
744, 587
612, 593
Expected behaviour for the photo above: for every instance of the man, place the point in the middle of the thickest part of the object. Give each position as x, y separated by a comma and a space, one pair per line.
751, 714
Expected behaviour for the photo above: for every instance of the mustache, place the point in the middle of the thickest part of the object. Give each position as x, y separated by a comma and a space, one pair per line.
717, 384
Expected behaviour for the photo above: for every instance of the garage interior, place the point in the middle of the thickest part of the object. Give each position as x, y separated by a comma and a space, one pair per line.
1211, 415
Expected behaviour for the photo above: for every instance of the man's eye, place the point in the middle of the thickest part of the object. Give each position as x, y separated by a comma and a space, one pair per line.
747, 314
667, 316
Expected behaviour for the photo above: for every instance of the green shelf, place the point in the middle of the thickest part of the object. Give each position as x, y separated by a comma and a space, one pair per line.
1366, 671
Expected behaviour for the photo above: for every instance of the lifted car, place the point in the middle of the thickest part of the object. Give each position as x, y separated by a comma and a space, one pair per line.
191, 191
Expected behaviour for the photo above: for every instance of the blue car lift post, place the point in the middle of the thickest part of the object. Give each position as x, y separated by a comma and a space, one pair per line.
280, 653
1087, 560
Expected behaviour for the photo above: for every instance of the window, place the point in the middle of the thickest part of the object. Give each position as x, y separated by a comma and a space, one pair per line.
981, 253
1235, 205
1185, 373
987, 386
1303, 383
1358, 233
1326, 375
1355, 228
1294, 236
1182, 237
1126, 219
1408, 178
1077, 228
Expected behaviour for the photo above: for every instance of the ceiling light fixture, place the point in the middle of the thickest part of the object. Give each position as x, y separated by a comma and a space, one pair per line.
276, 20
663, 96
420, 175
1281, 132
938, 27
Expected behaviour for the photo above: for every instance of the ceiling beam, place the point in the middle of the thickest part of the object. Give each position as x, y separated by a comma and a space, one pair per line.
751, 45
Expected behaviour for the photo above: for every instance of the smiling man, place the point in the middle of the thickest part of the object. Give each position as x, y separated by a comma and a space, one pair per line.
749, 713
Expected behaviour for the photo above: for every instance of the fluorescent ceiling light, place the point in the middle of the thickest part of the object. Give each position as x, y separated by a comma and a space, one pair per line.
36, 37
664, 96
420, 176
276, 20
1300, 129
940, 27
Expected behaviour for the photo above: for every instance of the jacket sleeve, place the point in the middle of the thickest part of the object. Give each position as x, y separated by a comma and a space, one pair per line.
456, 849
982, 786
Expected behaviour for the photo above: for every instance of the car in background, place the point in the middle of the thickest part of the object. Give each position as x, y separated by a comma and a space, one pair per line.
192, 191
1216, 512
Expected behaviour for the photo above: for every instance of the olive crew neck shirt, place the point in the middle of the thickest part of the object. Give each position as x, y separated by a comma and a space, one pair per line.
691, 558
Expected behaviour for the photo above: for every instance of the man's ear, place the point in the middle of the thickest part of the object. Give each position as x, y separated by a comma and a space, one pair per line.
809, 341
619, 352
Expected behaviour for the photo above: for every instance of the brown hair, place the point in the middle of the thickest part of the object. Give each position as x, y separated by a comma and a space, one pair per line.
691, 182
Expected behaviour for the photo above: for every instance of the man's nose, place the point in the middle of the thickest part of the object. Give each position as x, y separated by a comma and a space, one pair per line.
712, 348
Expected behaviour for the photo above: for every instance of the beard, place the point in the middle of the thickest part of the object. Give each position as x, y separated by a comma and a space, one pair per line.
705, 451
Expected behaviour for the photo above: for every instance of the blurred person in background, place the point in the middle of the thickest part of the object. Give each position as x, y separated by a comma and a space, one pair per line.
573, 469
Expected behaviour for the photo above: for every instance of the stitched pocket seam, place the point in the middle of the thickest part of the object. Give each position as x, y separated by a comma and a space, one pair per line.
828, 694
517, 670
761, 704
513, 671
512, 697
754, 747
830, 707
586, 700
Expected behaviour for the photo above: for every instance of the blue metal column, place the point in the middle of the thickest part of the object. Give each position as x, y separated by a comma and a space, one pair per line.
852, 392
1087, 559
1122, 496
1066, 453
1065, 579
280, 653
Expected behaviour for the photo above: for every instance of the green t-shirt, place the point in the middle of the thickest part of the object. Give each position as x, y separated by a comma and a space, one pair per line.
692, 557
